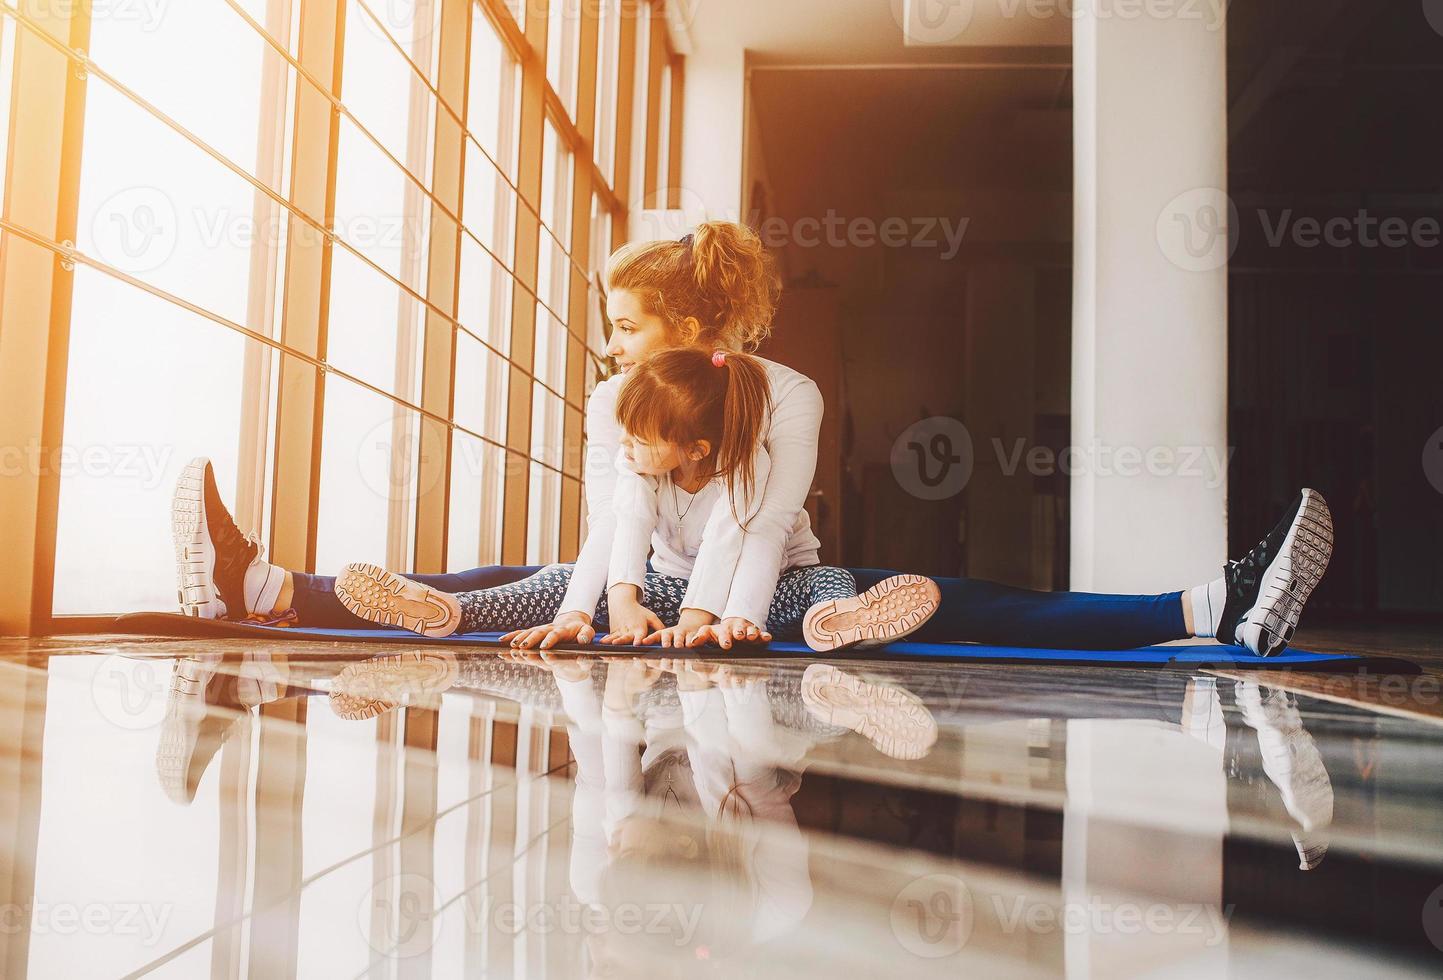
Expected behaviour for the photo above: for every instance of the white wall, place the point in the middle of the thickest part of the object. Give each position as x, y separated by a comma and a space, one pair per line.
1149, 303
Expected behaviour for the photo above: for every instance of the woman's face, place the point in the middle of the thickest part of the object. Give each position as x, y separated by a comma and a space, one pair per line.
635, 333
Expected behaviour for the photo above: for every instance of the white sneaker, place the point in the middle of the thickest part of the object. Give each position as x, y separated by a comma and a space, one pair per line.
891, 609
379, 596
893, 718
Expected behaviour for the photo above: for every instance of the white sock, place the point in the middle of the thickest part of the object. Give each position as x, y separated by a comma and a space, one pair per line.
262, 586
1207, 607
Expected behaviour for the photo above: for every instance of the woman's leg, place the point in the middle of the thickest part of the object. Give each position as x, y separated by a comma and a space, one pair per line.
986, 612
314, 596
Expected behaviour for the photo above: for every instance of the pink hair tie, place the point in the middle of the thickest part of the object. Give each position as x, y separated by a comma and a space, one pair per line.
719, 359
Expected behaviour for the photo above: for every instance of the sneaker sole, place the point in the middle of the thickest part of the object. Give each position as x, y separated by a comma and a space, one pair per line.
1267, 628
892, 718
383, 597
194, 550
888, 611
372, 687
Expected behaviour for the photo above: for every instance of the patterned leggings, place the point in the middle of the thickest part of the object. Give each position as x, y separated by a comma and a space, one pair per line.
536, 600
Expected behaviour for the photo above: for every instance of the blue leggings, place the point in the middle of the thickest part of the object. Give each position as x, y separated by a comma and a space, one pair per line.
973, 610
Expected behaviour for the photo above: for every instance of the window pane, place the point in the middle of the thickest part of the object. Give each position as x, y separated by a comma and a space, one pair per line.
152, 386
639, 135
480, 389
370, 454
608, 57
156, 45
386, 95
544, 516
156, 207
376, 328
563, 34
488, 205
663, 138
550, 352
484, 296
411, 25
478, 478
547, 418
493, 101
7, 77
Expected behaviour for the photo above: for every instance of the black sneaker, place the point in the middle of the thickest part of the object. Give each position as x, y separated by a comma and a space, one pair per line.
211, 553
1267, 588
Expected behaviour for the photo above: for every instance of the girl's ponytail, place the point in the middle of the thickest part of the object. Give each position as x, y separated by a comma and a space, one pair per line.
744, 410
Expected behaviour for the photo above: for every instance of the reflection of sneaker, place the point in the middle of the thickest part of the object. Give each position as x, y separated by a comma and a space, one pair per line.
379, 596
892, 717
1293, 763
372, 687
219, 570
1267, 587
200, 714
886, 612
1312, 848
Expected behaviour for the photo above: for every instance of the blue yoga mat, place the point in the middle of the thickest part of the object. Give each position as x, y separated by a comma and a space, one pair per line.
1198, 655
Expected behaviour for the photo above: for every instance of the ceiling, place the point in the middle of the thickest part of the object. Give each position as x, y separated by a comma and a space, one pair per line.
870, 31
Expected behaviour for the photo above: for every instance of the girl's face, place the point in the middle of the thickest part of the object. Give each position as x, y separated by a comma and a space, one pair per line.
650, 458
657, 458
635, 333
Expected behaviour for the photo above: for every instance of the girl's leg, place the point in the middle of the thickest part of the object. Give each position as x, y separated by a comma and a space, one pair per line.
533, 601
986, 612
799, 589
314, 596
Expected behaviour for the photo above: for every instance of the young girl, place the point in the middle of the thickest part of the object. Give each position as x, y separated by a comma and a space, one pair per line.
689, 467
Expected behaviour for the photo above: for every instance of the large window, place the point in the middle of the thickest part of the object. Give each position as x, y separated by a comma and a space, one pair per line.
311, 263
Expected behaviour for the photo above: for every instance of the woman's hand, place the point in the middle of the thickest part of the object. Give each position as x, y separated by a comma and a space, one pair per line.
631, 624
733, 629
572, 627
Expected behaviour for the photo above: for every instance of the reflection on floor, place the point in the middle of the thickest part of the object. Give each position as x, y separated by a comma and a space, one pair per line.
220, 808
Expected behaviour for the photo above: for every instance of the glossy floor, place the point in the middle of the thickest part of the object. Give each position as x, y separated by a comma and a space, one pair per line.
226, 809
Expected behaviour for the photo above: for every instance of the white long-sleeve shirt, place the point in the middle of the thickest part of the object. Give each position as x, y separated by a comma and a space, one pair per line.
733, 572
654, 515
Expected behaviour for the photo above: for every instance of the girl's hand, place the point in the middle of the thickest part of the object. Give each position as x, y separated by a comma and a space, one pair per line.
631, 625
733, 629
671, 636
572, 627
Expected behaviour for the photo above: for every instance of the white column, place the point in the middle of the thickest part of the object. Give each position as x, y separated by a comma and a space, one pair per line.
1149, 346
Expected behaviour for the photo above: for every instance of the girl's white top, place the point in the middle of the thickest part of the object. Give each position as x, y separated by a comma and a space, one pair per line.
731, 571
